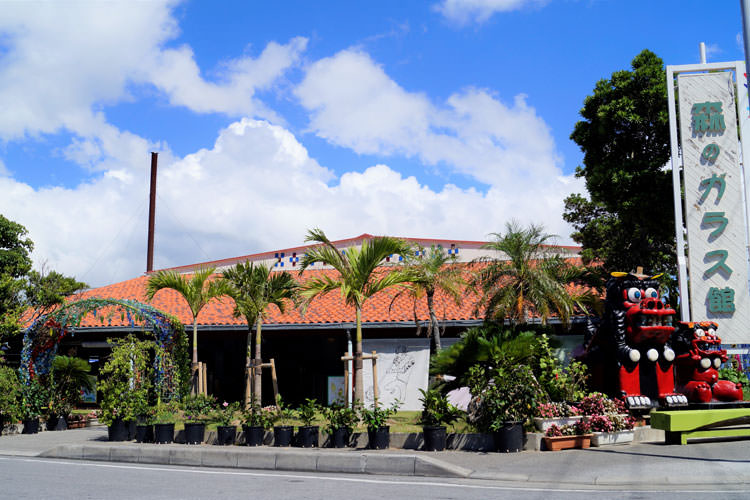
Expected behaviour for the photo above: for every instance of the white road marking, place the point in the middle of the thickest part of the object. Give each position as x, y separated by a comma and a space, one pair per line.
194, 470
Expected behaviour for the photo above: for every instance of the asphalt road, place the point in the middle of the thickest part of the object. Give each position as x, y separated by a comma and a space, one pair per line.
29, 477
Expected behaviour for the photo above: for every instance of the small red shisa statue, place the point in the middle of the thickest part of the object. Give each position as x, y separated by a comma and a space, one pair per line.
699, 355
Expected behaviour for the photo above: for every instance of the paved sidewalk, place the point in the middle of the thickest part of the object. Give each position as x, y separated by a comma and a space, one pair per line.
642, 464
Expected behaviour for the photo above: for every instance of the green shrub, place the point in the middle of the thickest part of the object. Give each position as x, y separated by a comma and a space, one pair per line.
10, 395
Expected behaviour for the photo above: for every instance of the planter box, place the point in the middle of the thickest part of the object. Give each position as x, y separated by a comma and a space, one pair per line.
542, 424
607, 438
566, 442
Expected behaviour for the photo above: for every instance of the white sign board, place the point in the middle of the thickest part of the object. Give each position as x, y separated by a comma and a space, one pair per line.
714, 209
402, 370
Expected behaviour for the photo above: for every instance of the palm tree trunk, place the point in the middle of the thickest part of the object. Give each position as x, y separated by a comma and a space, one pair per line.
194, 365
258, 362
248, 371
359, 389
434, 326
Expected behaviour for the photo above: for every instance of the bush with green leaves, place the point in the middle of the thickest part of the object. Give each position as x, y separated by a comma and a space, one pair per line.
436, 410
307, 410
503, 393
561, 382
377, 416
10, 395
70, 375
283, 414
34, 399
165, 413
258, 416
225, 413
340, 416
125, 379
198, 408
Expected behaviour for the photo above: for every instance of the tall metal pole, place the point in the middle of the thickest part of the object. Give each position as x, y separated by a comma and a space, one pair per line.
745, 6
151, 215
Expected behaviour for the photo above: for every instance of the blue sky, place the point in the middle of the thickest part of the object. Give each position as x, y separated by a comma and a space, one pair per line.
442, 118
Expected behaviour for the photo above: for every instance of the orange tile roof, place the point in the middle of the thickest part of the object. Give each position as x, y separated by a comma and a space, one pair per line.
328, 309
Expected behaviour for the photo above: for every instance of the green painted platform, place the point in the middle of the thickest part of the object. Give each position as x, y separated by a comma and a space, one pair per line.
681, 425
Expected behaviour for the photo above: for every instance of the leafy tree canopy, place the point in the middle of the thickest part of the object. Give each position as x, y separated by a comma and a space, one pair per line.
624, 135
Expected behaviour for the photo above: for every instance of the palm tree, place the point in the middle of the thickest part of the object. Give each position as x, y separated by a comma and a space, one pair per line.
357, 280
197, 291
253, 289
533, 277
432, 270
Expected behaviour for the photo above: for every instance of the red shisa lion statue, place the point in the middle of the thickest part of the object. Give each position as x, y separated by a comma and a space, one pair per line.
699, 355
630, 355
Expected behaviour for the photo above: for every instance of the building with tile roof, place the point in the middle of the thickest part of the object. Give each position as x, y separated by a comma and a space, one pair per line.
306, 347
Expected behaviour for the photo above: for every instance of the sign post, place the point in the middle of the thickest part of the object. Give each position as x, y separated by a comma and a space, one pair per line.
714, 277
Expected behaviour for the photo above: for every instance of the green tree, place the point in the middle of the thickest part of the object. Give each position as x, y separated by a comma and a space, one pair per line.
624, 135
253, 289
197, 291
44, 290
528, 277
358, 279
69, 376
15, 262
431, 271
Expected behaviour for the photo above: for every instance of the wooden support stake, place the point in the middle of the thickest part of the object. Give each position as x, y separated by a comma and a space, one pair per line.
275, 381
346, 383
372, 357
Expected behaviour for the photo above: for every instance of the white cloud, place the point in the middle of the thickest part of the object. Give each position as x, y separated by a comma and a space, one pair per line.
467, 11
61, 61
255, 190
353, 103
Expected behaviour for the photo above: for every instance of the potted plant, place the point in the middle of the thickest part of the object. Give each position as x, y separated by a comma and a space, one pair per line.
255, 421
125, 380
577, 435
557, 413
164, 419
376, 418
34, 399
283, 433
341, 420
197, 409
144, 428
224, 417
505, 396
69, 375
307, 434
437, 413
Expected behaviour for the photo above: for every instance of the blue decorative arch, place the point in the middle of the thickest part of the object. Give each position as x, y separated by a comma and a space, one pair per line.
42, 339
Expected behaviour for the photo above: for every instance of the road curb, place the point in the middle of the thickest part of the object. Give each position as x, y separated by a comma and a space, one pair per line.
282, 459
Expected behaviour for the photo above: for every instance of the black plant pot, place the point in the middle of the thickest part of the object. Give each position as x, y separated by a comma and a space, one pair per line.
30, 426
118, 430
379, 438
340, 437
307, 436
282, 435
509, 437
226, 435
253, 435
60, 424
194, 433
131, 430
163, 433
434, 438
144, 433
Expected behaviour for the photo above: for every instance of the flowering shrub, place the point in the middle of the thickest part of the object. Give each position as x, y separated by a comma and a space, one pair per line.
611, 423
577, 429
556, 410
598, 404
256, 416
224, 413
